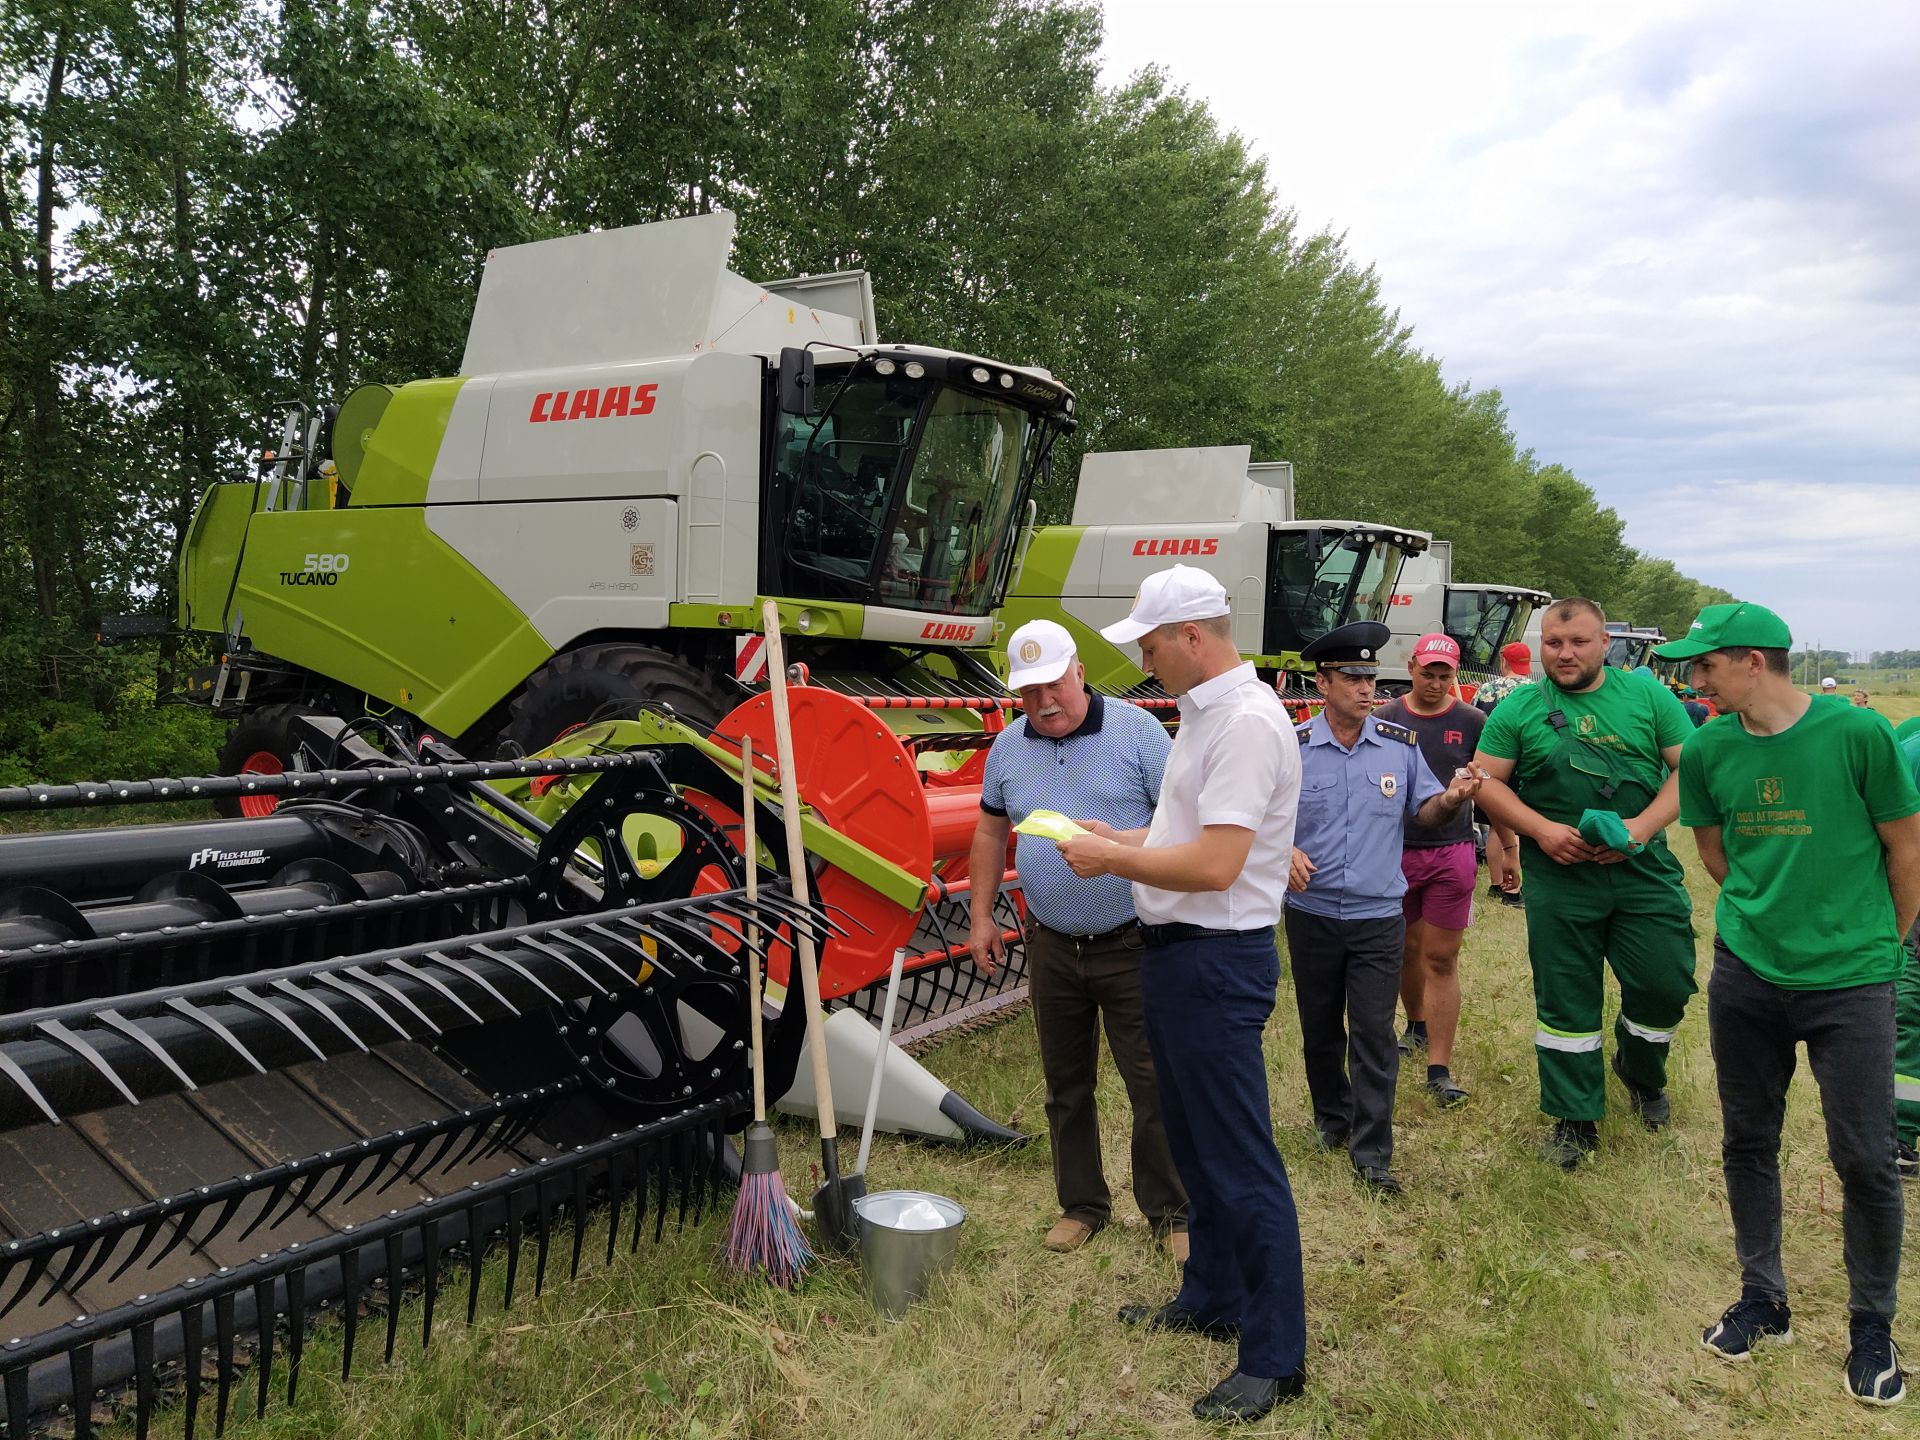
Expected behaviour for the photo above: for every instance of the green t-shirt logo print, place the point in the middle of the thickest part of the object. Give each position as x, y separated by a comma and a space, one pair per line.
1771, 789
1586, 725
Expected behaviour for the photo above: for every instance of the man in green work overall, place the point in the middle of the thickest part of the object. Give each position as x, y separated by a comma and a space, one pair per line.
1582, 764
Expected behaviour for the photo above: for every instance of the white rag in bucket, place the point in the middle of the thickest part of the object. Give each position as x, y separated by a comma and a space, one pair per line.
920, 1215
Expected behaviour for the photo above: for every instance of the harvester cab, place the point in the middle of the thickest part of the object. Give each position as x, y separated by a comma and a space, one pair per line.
1630, 646
1478, 618
640, 445
1138, 511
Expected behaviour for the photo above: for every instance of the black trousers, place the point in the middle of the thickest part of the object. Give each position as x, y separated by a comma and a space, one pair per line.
1346, 982
1208, 999
1076, 987
1754, 1026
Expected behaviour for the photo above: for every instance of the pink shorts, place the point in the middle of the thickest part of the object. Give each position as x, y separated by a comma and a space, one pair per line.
1440, 885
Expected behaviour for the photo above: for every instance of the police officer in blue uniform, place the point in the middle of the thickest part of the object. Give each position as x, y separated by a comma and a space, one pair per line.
1359, 778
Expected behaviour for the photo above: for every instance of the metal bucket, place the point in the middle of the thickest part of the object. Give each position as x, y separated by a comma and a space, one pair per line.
900, 1252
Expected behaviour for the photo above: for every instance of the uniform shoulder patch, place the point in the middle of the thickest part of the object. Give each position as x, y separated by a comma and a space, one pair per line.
1392, 731
1303, 727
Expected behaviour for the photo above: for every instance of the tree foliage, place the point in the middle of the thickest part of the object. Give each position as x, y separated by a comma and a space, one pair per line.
209, 209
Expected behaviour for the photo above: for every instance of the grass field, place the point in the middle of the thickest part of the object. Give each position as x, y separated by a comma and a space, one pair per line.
1500, 1298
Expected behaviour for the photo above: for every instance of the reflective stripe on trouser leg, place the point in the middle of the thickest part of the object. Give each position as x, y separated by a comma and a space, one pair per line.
1548, 1039
1566, 922
1906, 1051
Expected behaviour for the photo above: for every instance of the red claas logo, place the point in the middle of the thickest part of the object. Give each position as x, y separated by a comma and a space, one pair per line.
593, 404
1176, 547
1401, 600
947, 630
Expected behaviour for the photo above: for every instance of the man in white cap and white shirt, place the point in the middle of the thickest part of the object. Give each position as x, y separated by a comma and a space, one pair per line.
1209, 876
1079, 754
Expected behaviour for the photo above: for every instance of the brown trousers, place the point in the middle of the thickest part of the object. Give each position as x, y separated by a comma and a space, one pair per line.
1075, 986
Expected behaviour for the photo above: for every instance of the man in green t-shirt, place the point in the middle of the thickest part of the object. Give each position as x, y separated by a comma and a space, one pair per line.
1809, 822
1581, 765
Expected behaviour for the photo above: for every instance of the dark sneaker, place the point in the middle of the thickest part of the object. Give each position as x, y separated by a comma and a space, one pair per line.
1380, 1181
1652, 1106
1908, 1161
1747, 1325
1874, 1376
1493, 890
1412, 1040
1515, 899
1445, 1091
1571, 1142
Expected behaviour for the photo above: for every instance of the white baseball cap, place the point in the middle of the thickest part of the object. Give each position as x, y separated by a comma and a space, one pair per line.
1829, 683
1038, 653
1182, 592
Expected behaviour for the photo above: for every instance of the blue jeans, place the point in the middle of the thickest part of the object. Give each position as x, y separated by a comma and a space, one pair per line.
1207, 1003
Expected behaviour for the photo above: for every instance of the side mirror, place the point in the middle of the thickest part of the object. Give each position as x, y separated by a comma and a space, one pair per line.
796, 381
1316, 548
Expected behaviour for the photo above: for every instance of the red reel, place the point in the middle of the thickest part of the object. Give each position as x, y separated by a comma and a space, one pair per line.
860, 780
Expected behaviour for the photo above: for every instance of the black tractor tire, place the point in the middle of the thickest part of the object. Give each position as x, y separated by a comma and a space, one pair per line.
606, 682
267, 730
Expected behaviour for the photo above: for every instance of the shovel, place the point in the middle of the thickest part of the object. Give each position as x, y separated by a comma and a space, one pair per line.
833, 1202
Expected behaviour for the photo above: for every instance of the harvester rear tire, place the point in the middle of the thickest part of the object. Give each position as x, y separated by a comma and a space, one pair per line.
267, 731
605, 682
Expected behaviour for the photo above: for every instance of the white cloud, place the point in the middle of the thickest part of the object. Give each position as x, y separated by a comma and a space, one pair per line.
1680, 238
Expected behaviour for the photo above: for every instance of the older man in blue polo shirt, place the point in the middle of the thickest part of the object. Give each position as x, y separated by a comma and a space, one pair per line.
1359, 777
1077, 753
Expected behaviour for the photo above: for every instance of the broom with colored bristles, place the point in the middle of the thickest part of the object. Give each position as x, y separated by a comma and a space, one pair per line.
763, 1234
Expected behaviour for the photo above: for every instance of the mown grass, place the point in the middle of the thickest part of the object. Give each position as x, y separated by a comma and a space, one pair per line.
1500, 1298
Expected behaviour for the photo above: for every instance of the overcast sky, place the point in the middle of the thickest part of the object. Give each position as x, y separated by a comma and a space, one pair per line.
1682, 239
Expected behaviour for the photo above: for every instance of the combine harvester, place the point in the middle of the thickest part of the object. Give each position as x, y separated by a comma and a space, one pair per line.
1478, 618
1138, 511
640, 448
418, 1002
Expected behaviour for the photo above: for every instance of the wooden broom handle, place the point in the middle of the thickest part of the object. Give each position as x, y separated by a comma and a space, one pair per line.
797, 863
752, 849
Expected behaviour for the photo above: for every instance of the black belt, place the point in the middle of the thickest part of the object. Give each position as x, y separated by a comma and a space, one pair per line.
1168, 934
1120, 929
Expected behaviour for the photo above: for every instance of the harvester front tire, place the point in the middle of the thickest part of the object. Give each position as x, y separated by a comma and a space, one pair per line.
605, 682
261, 742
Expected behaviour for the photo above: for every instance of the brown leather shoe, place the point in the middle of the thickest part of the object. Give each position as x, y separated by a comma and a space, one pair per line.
1177, 1246
1068, 1234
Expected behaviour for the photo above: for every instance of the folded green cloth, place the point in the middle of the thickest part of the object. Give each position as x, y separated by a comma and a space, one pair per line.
1608, 831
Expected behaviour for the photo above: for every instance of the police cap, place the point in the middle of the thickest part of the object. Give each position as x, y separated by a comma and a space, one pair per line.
1351, 649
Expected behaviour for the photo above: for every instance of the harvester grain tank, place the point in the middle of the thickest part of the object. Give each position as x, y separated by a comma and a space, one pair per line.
1138, 511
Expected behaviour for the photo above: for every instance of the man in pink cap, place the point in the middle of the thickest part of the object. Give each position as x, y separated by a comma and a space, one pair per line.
1438, 861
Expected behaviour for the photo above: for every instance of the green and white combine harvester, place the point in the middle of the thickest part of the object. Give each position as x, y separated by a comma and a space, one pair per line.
475, 960
1480, 619
1135, 512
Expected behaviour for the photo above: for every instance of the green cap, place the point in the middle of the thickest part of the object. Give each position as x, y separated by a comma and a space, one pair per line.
1721, 627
